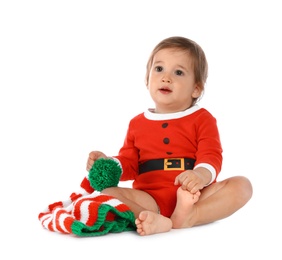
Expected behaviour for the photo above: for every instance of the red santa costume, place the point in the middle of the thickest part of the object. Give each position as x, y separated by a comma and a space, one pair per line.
158, 147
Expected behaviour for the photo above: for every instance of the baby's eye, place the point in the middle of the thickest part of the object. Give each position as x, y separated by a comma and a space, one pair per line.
179, 72
159, 68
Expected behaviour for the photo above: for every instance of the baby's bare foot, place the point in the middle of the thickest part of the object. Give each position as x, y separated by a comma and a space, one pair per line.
149, 223
184, 209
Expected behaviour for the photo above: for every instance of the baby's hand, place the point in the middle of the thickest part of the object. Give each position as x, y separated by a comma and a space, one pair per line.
93, 156
190, 180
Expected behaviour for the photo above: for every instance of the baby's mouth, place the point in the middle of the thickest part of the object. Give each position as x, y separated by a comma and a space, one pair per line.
165, 90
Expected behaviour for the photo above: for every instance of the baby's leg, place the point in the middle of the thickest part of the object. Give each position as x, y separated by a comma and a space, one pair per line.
136, 200
185, 208
149, 223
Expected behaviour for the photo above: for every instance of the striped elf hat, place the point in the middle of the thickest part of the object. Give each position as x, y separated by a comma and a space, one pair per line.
89, 212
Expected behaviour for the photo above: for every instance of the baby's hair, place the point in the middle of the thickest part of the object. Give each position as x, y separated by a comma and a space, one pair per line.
198, 56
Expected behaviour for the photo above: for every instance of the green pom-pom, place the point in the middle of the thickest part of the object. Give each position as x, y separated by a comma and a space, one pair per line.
104, 173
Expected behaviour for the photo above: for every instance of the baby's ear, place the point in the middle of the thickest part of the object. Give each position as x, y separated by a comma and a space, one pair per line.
197, 91
146, 83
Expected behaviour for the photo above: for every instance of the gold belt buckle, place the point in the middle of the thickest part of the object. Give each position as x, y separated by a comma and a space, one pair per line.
167, 163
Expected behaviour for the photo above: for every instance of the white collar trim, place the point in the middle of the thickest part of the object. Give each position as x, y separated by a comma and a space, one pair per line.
149, 114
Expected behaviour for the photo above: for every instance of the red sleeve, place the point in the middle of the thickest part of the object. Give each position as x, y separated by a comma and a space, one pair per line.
209, 145
128, 157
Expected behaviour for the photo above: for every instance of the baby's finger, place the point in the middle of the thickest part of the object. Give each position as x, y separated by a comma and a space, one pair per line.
89, 164
176, 180
195, 189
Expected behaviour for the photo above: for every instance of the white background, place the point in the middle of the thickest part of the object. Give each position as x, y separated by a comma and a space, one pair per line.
71, 78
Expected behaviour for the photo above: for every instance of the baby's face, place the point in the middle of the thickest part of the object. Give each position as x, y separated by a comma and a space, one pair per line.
171, 81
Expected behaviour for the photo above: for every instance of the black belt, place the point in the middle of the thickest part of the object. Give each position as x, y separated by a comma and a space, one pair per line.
168, 164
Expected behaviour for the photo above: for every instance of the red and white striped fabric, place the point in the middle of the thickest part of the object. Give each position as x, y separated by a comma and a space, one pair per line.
88, 213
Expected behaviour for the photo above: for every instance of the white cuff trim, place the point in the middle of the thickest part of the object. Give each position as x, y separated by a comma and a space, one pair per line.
210, 168
116, 160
